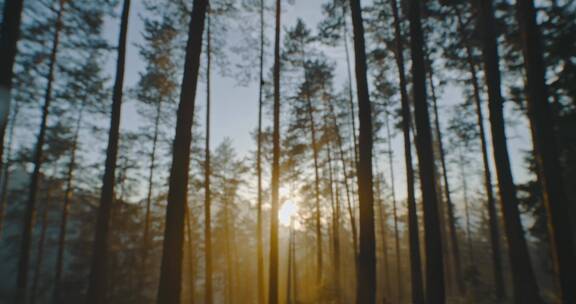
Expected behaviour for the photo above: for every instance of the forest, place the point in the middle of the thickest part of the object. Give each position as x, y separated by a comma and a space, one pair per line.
288, 151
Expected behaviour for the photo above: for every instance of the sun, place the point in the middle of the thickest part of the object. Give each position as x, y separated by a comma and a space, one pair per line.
287, 212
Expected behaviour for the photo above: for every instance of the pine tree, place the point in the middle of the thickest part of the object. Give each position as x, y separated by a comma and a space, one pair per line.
23, 263
97, 283
415, 261
525, 287
171, 270
549, 169
435, 292
366, 291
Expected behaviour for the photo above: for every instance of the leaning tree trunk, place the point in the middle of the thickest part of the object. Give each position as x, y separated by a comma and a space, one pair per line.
259, 233
275, 183
65, 208
415, 262
191, 259
449, 204
30, 211
98, 272
171, 269
524, 282
435, 292
9, 35
547, 156
207, 172
366, 290
6, 169
491, 204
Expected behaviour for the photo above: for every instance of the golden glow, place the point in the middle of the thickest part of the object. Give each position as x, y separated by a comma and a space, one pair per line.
287, 212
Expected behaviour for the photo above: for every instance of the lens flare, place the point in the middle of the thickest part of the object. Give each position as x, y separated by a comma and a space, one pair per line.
287, 212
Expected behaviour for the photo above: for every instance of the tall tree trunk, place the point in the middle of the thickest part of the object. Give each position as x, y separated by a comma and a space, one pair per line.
98, 276
30, 211
524, 282
386, 290
275, 183
228, 246
335, 199
191, 259
449, 204
435, 292
294, 269
171, 269
394, 209
290, 276
9, 35
415, 262
149, 193
236, 266
207, 172
547, 156
6, 168
461, 164
40, 252
342, 156
318, 215
491, 203
65, 208
259, 233
366, 290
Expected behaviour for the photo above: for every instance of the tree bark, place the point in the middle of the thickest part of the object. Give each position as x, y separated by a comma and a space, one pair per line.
524, 283
171, 269
191, 259
547, 156
275, 183
98, 274
366, 290
9, 35
435, 292
30, 211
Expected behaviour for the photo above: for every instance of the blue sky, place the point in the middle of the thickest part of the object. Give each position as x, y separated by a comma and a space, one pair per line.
234, 107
